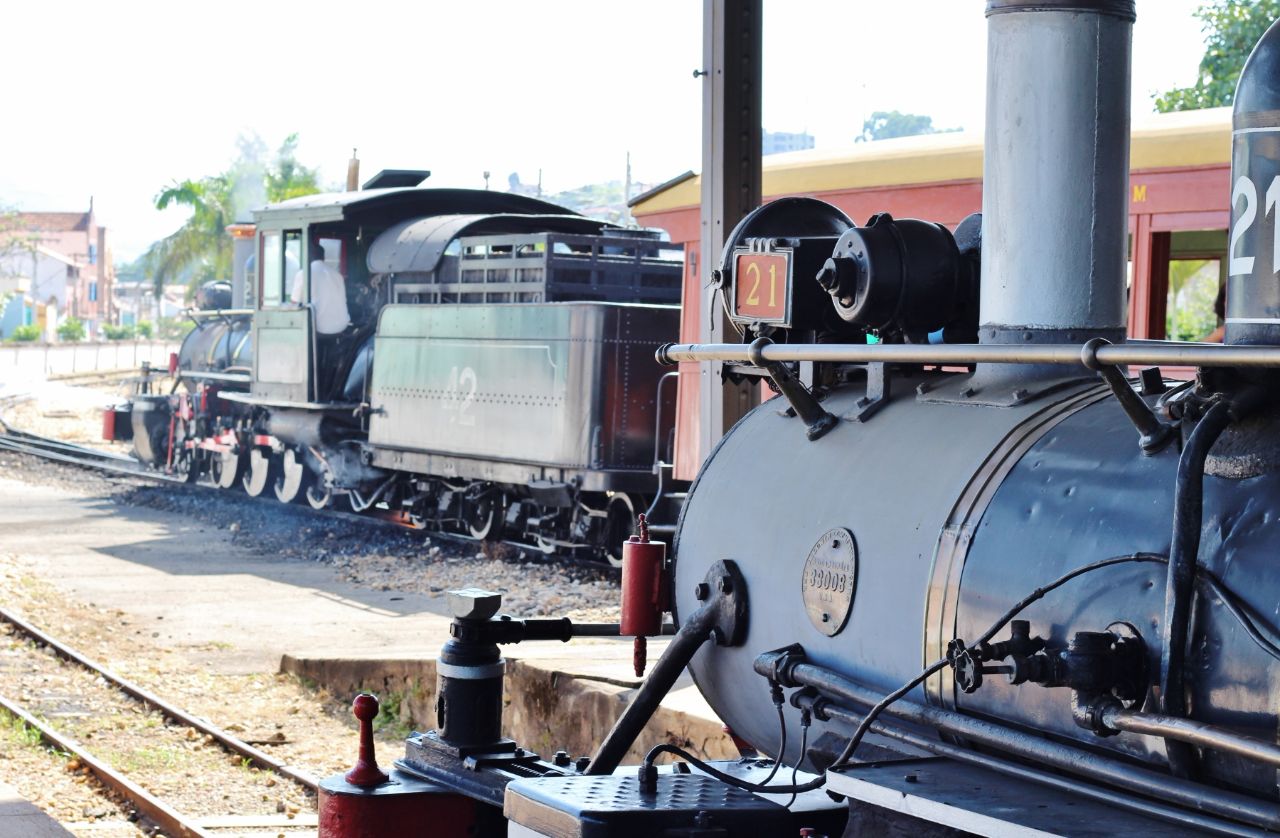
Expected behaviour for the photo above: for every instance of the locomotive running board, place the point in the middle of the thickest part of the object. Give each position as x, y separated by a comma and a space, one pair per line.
284, 404
954, 796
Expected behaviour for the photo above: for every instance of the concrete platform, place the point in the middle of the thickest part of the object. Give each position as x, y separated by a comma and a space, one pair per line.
20, 818
191, 585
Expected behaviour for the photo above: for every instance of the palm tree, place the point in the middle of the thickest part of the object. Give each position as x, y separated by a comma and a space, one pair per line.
200, 250
201, 245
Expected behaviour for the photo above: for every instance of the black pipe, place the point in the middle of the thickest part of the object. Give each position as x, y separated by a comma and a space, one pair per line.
1188, 510
1074, 760
823, 709
692, 634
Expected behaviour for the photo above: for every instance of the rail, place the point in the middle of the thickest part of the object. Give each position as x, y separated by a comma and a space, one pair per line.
231, 743
157, 811
22, 442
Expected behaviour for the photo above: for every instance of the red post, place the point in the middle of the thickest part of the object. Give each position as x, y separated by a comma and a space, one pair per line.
366, 771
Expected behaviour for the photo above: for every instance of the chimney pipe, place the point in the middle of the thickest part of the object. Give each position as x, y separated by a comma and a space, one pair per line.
1056, 170
353, 172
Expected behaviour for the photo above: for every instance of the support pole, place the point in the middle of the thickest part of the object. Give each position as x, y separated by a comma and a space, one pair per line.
731, 135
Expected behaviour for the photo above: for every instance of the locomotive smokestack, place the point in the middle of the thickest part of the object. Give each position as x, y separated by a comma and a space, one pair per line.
1056, 170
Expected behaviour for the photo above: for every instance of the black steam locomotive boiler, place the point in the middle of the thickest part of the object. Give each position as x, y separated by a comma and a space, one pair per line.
1020, 586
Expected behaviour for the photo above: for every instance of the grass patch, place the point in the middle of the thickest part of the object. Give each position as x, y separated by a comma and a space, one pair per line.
388, 718
16, 731
149, 759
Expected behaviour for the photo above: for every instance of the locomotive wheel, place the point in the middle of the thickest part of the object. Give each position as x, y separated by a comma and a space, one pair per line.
259, 474
226, 469
484, 516
318, 496
619, 524
293, 480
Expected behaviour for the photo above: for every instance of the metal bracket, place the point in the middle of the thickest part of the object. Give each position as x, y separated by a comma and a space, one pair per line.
815, 417
877, 396
1153, 434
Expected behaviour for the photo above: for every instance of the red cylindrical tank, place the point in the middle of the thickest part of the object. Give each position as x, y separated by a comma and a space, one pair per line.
644, 590
643, 586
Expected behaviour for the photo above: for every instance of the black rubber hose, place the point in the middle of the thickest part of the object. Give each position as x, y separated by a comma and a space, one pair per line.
1188, 511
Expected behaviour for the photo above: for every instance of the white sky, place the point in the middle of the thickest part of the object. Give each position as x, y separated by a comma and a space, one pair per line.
116, 99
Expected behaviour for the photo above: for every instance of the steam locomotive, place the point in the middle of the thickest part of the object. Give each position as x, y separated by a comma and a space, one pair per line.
482, 365
990, 586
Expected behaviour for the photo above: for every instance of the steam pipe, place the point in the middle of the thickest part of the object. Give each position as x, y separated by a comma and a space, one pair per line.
825, 710
1190, 732
1122, 354
1074, 760
1188, 514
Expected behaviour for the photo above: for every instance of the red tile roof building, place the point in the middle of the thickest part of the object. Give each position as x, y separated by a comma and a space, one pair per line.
78, 236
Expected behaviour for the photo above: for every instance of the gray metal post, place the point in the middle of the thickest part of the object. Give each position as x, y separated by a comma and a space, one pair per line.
732, 37
1056, 169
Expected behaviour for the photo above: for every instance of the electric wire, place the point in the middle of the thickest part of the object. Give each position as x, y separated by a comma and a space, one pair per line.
1228, 598
1240, 611
804, 746
782, 748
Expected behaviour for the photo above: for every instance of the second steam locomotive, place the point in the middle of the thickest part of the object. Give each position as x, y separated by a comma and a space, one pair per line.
465, 360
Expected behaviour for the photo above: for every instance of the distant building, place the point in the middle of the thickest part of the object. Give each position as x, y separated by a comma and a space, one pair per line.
35, 284
78, 237
136, 301
776, 142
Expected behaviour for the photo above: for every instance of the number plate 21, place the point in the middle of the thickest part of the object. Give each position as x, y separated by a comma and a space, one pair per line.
762, 287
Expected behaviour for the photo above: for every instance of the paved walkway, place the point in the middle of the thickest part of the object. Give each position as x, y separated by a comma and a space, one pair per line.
195, 587
19, 818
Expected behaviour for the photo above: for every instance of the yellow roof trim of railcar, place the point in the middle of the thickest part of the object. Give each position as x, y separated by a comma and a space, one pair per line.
1158, 141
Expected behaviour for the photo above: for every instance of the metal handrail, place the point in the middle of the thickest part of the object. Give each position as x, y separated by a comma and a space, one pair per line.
1089, 355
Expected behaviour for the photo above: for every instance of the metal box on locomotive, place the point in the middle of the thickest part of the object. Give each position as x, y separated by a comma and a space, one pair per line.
547, 393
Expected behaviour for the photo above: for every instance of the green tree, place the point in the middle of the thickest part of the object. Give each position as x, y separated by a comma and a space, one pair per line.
286, 177
1231, 29
200, 250
71, 329
14, 238
145, 329
201, 247
26, 334
112, 332
884, 125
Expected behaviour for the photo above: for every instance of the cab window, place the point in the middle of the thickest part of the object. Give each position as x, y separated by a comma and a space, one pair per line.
293, 264
272, 271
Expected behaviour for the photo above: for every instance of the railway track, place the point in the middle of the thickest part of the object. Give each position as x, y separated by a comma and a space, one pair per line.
165, 817
23, 442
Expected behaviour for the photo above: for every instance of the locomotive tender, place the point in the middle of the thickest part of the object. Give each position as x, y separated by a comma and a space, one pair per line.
987, 587
485, 365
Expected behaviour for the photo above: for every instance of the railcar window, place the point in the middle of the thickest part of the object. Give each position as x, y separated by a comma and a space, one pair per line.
272, 270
